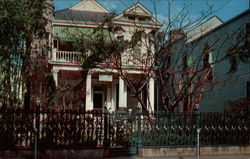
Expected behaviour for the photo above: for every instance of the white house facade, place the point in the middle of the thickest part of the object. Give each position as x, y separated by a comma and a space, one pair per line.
104, 85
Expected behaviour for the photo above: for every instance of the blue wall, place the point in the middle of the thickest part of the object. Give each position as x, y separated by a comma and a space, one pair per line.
225, 86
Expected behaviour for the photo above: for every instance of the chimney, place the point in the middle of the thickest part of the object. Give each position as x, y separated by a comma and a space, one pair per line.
176, 34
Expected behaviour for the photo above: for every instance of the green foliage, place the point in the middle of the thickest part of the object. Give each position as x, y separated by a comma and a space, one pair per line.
21, 21
50, 92
96, 46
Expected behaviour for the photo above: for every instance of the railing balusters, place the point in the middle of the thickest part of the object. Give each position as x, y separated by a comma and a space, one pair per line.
66, 56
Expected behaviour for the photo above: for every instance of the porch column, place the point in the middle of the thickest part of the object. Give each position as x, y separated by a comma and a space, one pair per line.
54, 53
151, 94
122, 94
55, 76
113, 100
125, 95
109, 97
89, 92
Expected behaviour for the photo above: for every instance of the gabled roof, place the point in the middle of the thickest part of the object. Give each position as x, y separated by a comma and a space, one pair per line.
90, 5
137, 10
203, 28
86, 10
92, 11
79, 15
222, 25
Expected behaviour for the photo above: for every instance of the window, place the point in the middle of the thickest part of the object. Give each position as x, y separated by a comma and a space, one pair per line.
120, 37
66, 46
137, 42
55, 43
131, 17
137, 51
248, 89
207, 59
142, 19
207, 62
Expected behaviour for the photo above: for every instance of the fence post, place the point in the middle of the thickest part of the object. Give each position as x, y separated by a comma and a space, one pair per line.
36, 130
138, 130
38, 123
198, 143
106, 127
198, 135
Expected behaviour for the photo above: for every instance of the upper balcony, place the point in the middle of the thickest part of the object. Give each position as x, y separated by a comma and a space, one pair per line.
66, 56
63, 52
76, 58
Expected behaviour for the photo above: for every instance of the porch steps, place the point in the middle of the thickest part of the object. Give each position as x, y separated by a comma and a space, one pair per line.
120, 152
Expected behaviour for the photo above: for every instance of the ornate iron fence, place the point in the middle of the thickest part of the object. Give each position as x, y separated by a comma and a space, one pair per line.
171, 129
78, 129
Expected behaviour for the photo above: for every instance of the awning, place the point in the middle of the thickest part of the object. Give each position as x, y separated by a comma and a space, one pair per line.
74, 33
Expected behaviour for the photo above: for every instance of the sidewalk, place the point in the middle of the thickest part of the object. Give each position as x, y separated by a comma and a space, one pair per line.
191, 157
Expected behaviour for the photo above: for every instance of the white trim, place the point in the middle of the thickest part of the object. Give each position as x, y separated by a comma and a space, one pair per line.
76, 23
132, 8
138, 24
143, 8
82, 3
99, 70
156, 25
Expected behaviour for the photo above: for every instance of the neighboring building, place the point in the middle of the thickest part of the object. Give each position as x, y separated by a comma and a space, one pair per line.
221, 37
104, 86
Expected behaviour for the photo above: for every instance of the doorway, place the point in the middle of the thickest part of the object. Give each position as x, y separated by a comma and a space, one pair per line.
98, 100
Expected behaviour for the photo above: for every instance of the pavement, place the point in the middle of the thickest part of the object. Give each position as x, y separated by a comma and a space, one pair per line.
191, 157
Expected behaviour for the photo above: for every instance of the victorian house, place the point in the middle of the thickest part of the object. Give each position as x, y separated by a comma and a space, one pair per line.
104, 85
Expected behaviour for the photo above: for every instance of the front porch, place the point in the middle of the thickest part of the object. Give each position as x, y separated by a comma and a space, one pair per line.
110, 91
104, 89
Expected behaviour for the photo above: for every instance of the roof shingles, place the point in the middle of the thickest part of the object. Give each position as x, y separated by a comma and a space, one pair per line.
78, 15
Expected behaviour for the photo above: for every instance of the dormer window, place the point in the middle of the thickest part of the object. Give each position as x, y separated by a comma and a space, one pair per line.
119, 30
142, 18
131, 17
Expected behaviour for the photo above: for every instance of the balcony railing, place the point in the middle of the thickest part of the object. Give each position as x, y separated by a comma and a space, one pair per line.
66, 56
76, 57
137, 61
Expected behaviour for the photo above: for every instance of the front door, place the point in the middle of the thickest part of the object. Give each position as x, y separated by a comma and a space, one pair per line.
98, 100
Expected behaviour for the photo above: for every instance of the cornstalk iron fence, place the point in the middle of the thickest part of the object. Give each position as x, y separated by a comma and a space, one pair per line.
78, 129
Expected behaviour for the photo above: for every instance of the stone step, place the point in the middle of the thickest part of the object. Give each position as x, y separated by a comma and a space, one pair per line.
120, 152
